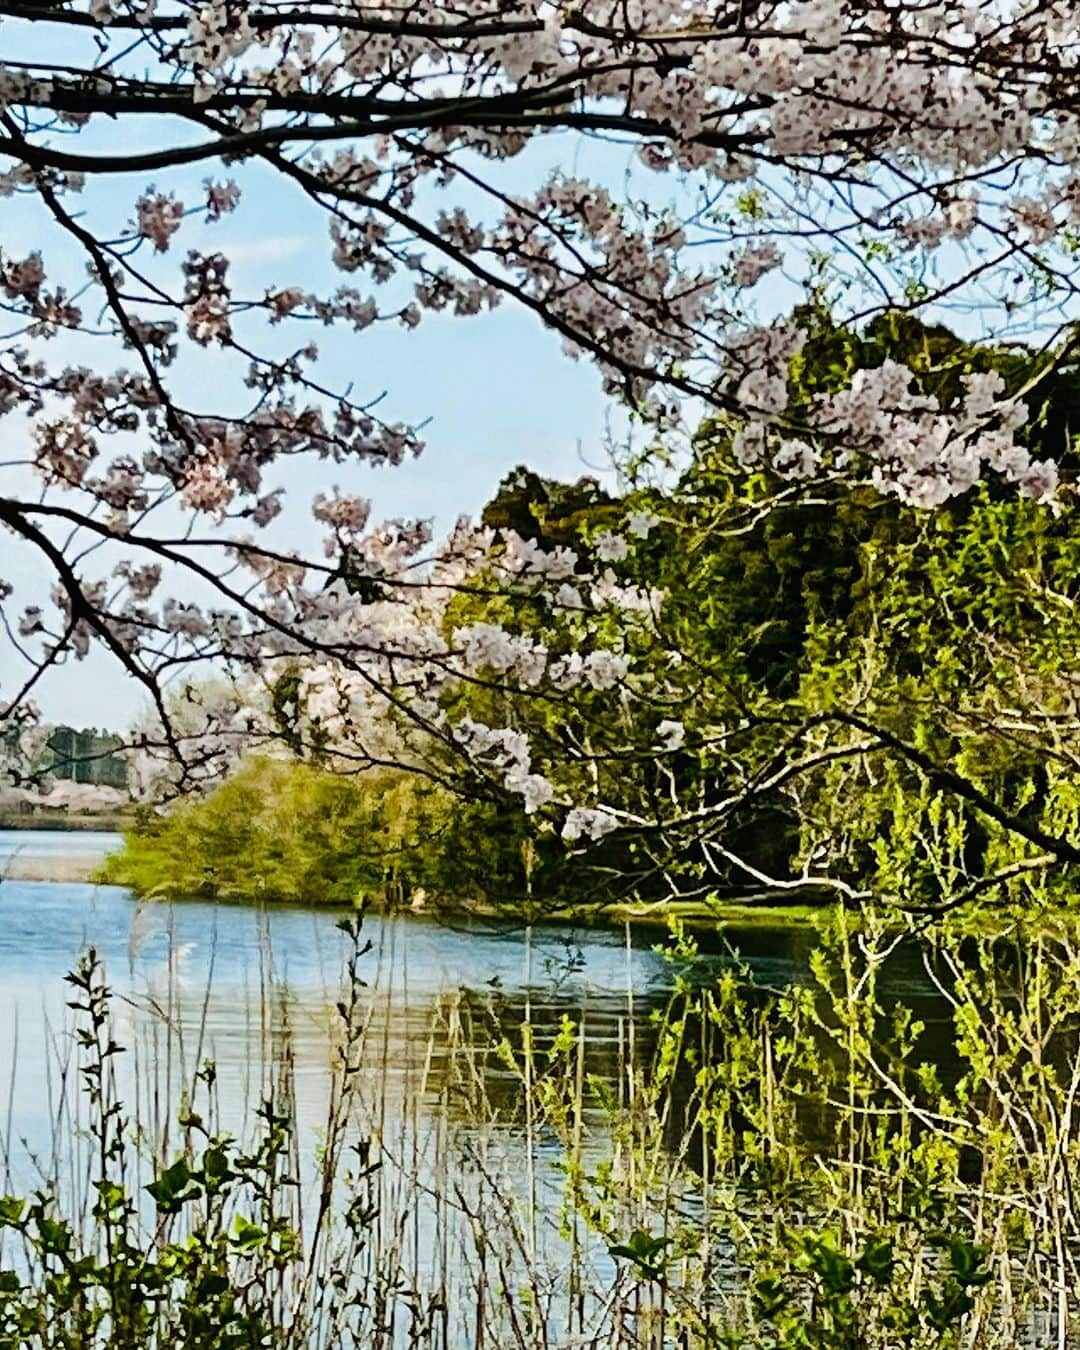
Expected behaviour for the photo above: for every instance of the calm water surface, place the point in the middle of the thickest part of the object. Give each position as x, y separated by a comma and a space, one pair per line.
90, 845
212, 971
207, 969
254, 989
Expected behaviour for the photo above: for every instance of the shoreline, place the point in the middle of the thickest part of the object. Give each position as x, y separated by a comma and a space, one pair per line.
52, 869
58, 869
58, 822
31, 865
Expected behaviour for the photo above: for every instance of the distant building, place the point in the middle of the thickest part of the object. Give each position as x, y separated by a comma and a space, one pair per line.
87, 756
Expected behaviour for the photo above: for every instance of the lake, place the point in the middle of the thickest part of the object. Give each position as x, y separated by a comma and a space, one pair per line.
455, 1018
212, 966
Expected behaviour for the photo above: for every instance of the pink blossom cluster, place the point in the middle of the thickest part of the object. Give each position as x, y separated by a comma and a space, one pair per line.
158, 217
754, 262
911, 445
508, 753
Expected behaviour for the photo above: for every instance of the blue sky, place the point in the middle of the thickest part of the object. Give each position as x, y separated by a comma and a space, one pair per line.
495, 391
498, 392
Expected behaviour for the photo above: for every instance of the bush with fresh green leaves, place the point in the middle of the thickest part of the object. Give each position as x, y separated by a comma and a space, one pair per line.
281, 830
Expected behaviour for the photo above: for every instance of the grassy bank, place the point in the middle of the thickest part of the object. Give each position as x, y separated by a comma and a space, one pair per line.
765, 910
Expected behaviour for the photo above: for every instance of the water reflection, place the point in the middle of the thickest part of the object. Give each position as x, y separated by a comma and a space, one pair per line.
236, 984
228, 980
454, 1018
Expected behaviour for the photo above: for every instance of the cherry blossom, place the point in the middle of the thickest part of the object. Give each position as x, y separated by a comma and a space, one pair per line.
906, 441
641, 523
891, 158
670, 734
584, 822
158, 218
610, 547
754, 262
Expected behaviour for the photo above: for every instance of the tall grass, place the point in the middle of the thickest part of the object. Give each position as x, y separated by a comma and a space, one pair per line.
814, 1165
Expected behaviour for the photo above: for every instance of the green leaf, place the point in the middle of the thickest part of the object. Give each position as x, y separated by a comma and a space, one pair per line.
643, 1249
877, 1261
55, 1236
247, 1235
968, 1261
215, 1168
174, 1187
770, 1296
11, 1211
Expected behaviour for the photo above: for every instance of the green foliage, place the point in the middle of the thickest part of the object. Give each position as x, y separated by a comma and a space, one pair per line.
645, 1252
281, 830
823, 1296
271, 832
285, 831
871, 693
212, 1253
555, 514
769, 1168
793, 1173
